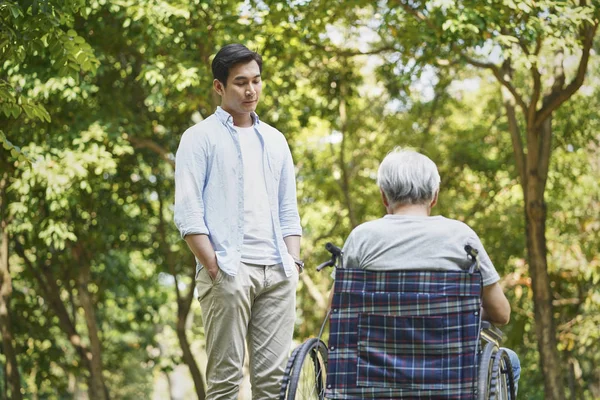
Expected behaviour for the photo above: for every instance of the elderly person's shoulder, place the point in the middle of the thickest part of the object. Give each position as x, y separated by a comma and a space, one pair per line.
440, 219
412, 225
371, 225
396, 219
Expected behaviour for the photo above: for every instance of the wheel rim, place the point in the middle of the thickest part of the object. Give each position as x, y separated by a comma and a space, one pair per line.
311, 384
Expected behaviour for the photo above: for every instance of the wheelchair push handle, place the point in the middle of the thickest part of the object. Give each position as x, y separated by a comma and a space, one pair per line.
328, 263
473, 254
333, 249
336, 253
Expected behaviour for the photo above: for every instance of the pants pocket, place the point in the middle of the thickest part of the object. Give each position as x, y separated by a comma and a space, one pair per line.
204, 283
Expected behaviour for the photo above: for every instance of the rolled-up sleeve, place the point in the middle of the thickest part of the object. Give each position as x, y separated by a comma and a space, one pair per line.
190, 172
289, 218
351, 254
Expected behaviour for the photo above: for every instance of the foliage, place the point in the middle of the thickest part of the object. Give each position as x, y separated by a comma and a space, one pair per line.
38, 33
94, 97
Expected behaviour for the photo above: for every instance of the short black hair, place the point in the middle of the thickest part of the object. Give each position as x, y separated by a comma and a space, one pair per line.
229, 56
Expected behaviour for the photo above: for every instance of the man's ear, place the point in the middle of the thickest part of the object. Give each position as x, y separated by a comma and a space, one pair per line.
218, 86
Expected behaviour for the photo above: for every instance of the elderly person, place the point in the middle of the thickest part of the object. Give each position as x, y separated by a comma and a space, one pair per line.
408, 237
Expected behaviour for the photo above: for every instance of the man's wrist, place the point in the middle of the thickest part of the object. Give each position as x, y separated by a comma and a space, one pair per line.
299, 264
213, 264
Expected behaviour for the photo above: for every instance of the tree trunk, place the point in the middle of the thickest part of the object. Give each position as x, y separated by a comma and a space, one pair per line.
51, 294
183, 309
32, 385
572, 381
169, 385
533, 167
3, 379
188, 358
535, 222
184, 304
542, 300
13, 378
345, 183
97, 389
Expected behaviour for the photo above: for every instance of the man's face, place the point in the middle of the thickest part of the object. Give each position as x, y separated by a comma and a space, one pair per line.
242, 92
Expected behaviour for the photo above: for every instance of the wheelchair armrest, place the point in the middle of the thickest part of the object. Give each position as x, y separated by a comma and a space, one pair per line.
490, 333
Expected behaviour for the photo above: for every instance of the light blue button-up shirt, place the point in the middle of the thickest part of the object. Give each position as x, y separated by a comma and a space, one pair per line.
209, 187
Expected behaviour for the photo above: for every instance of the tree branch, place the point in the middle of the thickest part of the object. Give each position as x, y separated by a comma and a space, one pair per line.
535, 95
314, 291
545, 149
419, 16
345, 181
558, 96
186, 301
538, 45
51, 294
517, 142
153, 146
499, 76
348, 52
438, 94
523, 46
330, 232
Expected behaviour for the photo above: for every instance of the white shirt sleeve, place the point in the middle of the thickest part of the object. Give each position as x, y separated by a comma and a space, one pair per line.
190, 173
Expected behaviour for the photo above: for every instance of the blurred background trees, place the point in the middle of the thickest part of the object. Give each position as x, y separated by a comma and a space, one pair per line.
96, 287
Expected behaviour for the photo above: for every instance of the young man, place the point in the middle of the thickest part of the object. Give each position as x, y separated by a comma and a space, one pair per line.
409, 238
235, 206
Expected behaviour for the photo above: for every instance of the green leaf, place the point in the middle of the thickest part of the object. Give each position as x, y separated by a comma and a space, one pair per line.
447, 24
44, 114
16, 11
29, 111
15, 111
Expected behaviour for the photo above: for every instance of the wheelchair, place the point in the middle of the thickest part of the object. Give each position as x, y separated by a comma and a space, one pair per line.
402, 335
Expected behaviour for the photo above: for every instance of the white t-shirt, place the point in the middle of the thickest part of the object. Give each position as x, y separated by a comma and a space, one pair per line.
259, 245
399, 242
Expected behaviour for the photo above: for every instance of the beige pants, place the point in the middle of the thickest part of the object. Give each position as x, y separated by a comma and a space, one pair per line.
257, 305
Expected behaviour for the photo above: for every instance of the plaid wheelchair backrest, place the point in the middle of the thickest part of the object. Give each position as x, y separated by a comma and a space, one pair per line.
404, 334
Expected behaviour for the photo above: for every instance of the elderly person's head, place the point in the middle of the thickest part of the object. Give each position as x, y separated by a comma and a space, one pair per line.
408, 179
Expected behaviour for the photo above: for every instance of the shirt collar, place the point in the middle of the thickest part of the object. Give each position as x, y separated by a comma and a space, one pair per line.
227, 119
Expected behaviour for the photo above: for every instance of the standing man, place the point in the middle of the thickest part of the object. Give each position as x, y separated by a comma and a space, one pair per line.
235, 206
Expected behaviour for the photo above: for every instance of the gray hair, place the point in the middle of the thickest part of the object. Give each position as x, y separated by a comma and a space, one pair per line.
408, 177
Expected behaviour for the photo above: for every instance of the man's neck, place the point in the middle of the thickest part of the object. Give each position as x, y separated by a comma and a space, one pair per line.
243, 120
420, 210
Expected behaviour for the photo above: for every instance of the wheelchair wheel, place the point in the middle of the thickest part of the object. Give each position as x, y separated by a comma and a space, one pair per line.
503, 369
484, 381
305, 374
496, 381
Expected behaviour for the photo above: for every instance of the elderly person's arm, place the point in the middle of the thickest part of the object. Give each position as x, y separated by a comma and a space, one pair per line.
496, 307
